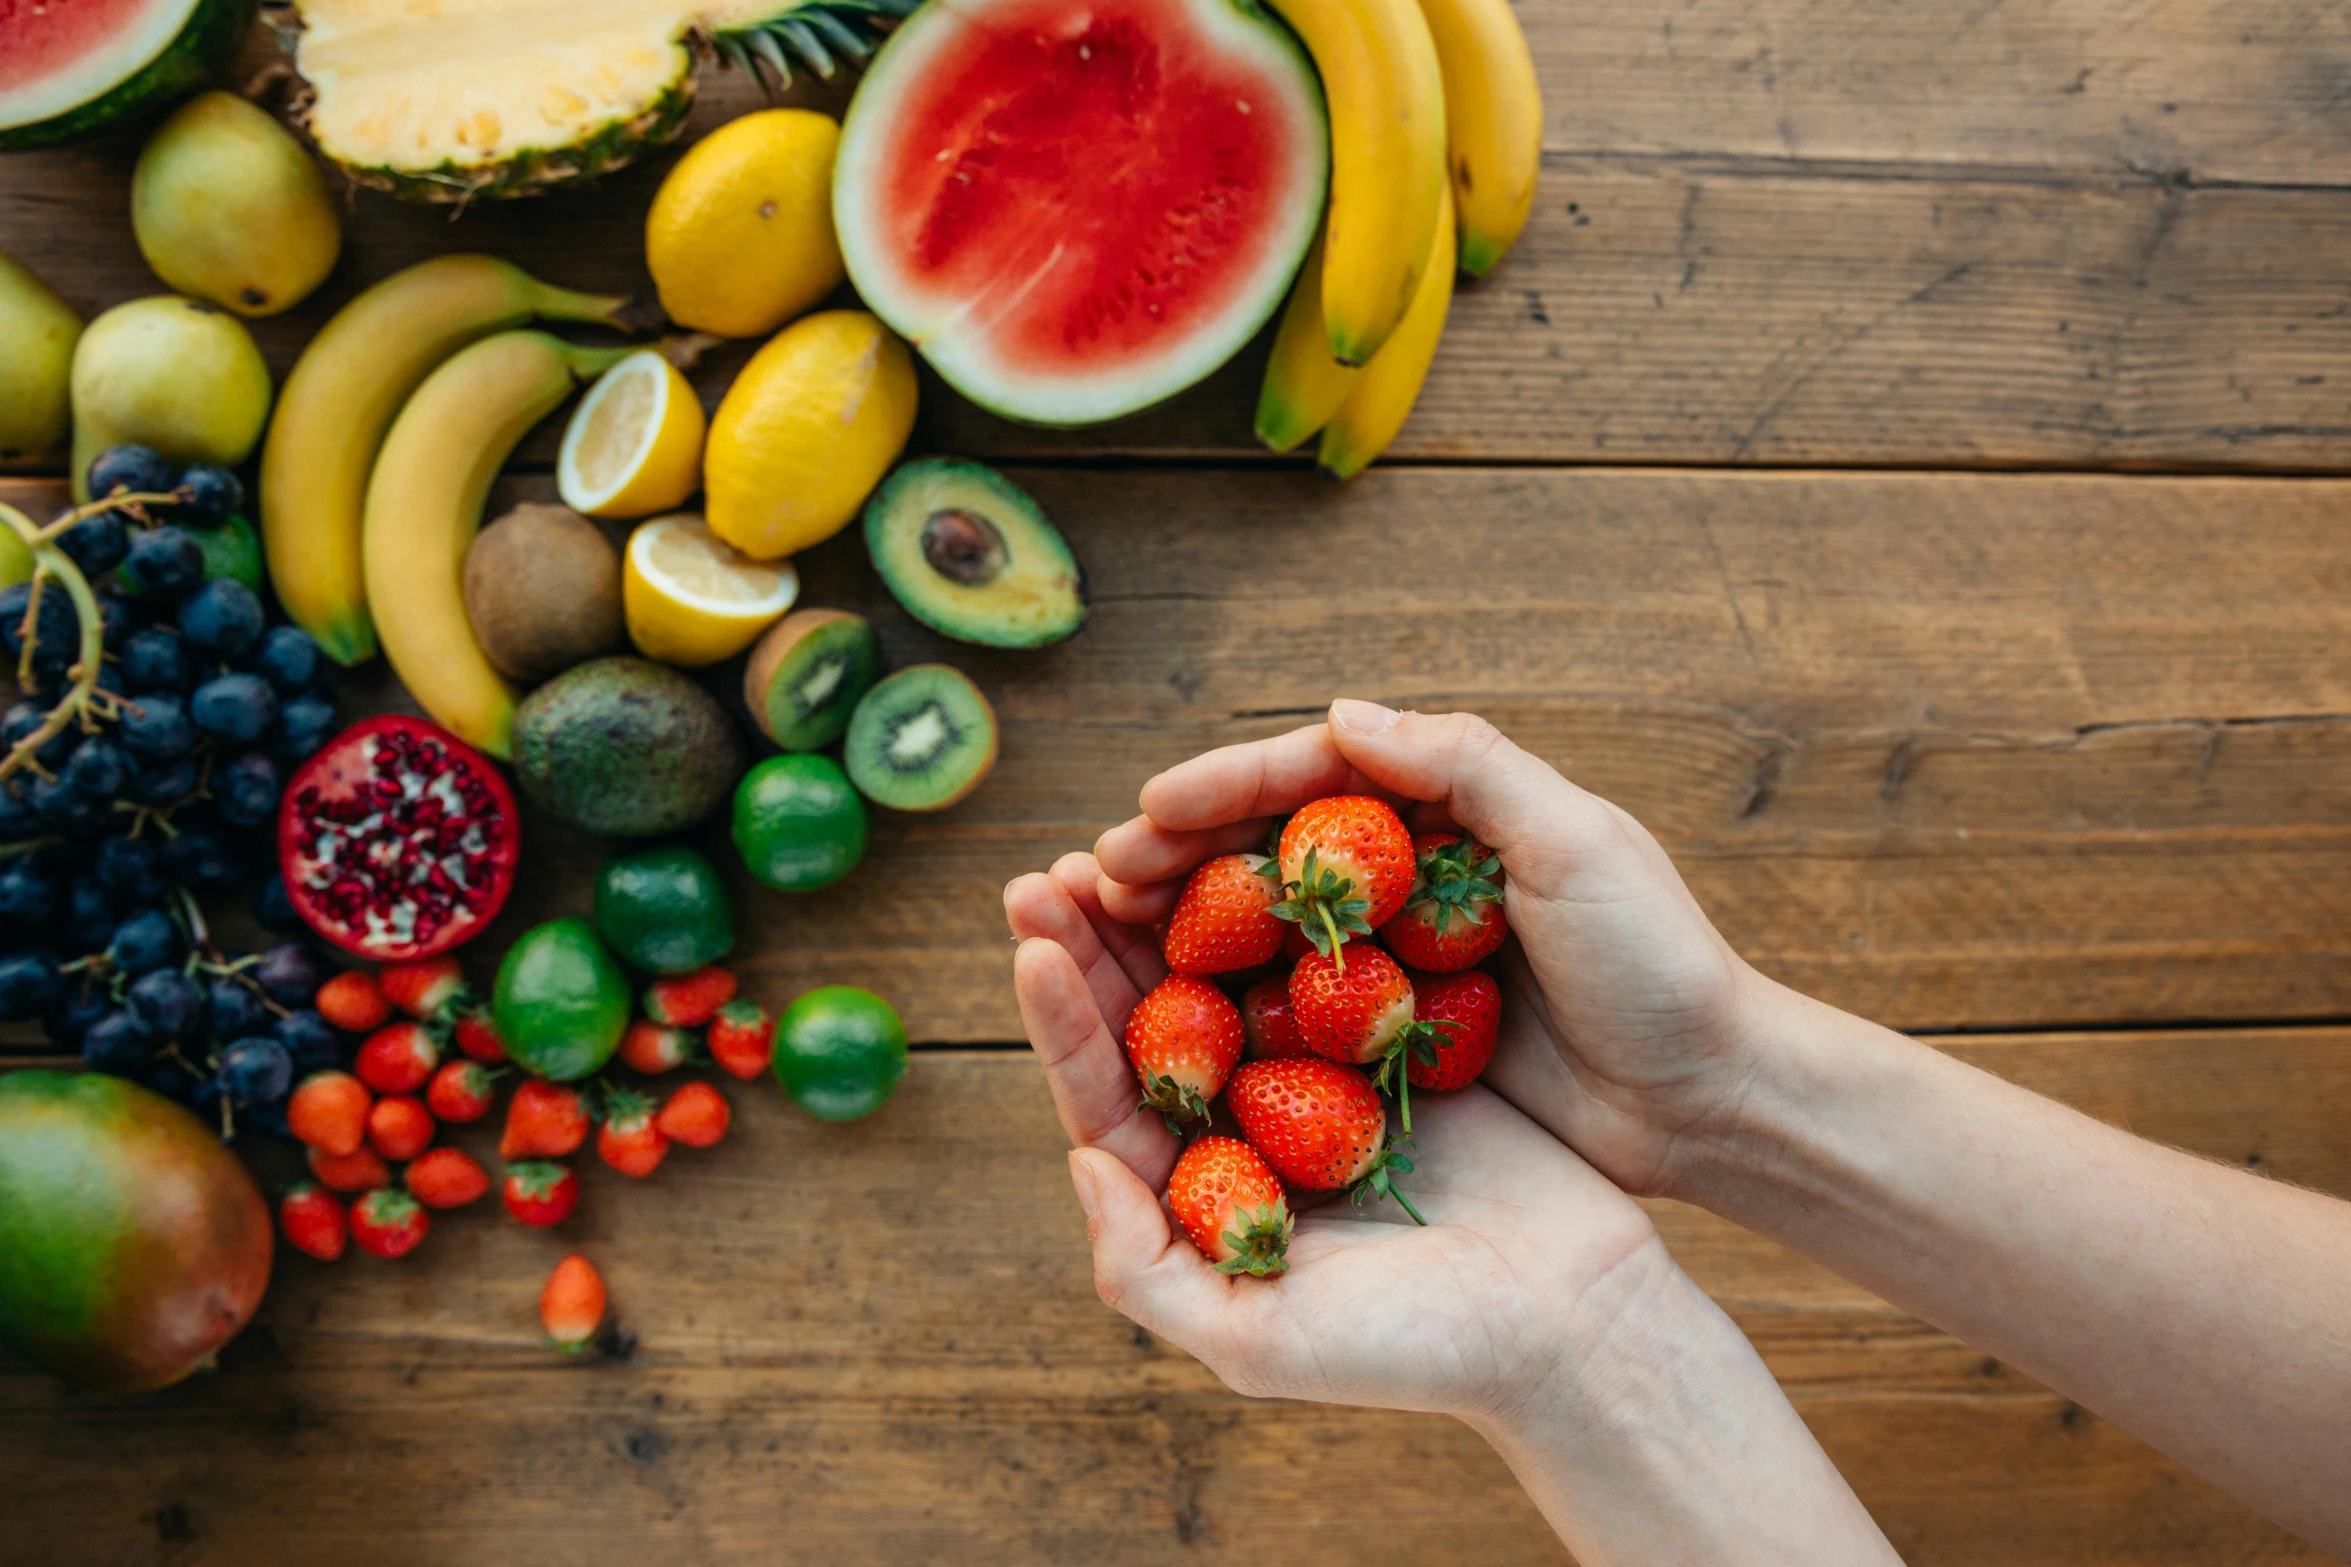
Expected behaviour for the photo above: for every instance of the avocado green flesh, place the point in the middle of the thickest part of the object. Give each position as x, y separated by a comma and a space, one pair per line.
561, 1003
665, 910
819, 683
1027, 592
626, 747
192, 56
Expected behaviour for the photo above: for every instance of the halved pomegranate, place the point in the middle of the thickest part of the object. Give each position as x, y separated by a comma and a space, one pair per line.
398, 840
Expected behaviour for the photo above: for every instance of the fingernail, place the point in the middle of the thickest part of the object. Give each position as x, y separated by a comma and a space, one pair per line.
1089, 1197
1363, 718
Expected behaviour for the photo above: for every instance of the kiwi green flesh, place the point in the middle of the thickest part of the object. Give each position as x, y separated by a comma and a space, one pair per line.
818, 683
921, 740
972, 556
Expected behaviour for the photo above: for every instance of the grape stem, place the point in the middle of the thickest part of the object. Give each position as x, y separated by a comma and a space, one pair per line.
50, 561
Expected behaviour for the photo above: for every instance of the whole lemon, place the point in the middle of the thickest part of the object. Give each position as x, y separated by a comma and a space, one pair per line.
228, 207
806, 432
740, 237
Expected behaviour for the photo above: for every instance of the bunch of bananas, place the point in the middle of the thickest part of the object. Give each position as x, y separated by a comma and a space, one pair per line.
1436, 135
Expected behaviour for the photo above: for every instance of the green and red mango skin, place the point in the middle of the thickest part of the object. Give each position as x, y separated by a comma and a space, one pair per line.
133, 1243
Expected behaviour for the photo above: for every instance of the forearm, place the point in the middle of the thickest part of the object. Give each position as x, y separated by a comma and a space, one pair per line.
1660, 1438
2205, 1309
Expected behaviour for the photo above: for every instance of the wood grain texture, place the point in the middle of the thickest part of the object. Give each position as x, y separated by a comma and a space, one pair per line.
879, 1343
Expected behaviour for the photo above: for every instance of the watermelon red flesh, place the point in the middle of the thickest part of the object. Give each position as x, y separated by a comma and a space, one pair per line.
75, 68
40, 39
1074, 211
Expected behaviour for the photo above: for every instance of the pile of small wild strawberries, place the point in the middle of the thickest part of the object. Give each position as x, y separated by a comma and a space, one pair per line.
1344, 1027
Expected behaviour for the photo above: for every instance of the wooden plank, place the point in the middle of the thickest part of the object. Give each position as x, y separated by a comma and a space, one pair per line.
1947, 751
879, 1343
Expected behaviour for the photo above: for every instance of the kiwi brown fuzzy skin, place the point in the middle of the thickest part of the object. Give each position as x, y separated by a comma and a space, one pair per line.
979, 773
768, 659
543, 592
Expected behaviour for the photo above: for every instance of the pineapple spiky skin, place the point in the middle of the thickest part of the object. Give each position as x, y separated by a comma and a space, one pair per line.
539, 169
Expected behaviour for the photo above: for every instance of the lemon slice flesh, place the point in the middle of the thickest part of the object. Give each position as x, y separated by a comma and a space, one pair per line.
692, 598
634, 444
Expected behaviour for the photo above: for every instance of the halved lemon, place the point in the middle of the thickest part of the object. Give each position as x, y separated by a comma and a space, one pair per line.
634, 444
692, 598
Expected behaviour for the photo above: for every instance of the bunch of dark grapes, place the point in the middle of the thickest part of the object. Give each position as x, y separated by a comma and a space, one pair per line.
164, 786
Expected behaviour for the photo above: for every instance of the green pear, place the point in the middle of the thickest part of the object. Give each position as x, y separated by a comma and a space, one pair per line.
175, 374
37, 334
228, 207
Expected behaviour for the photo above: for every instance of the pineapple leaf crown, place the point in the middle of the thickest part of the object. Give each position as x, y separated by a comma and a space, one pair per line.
819, 36
1451, 880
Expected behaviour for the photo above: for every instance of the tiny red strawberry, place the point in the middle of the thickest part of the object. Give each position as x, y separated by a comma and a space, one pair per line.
1463, 1014
1183, 1039
314, 1221
328, 1111
461, 1091
1267, 1019
362, 1170
1353, 1015
1453, 917
399, 1127
1320, 1126
571, 1304
387, 1222
539, 1193
353, 1002
1346, 868
654, 1048
1231, 1206
543, 1121
478, 1037
742, 1038
1224, 919
696, 1115
447, 1178
689, 1000
431, 991
629, 1140
398, 1058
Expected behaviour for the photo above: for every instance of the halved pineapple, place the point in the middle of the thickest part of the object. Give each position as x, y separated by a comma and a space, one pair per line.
460, 100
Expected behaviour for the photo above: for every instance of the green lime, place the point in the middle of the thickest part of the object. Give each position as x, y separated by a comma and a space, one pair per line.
231, 550
665, 910
561, 1003
799, 823
840, 1052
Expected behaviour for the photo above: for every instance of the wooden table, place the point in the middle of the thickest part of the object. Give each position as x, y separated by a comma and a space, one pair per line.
1895, 465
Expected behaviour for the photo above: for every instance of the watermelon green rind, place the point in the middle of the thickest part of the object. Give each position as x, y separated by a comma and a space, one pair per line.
204, 44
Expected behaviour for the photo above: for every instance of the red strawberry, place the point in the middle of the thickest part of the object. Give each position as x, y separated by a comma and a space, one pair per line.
1271, 1026
399, 1127
696, 1115
742, 1038
314, 1221
432, 991
1183, 1038
329, 1112
1352, 1015
447, 1178
360, 1171
1464, 1015
543, 1121
1231, 1206
1320, 1126
655, 1048
1346, 867
689, 1000
540, 1194
1224, 919
1453, 917
461, 1091
571, 1305
1295, 943
628, 1139
478, 1037
387, 1222
398, 1059
353, 1002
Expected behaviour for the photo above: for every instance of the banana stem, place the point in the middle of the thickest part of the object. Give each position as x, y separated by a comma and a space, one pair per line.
49, 560
619, 311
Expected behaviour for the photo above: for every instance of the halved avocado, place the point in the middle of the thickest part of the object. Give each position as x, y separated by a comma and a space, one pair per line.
972, 557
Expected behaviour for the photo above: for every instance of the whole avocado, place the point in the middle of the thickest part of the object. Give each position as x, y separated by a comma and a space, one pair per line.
561, 1002
627, 748
133, 1244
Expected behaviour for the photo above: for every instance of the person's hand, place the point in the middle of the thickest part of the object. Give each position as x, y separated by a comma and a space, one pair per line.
1528, 1262
1639, 1007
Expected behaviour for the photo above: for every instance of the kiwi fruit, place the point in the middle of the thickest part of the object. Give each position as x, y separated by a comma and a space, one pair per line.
972, 557
807, 674
921, 740
542, 589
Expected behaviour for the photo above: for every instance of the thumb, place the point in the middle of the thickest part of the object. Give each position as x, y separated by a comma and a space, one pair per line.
1140, 1267
1510, 800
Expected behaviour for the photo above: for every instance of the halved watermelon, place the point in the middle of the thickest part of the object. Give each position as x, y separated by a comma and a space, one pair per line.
71, 69
1076, 210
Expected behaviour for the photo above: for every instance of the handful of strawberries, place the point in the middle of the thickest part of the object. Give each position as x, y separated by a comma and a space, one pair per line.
1345, 1027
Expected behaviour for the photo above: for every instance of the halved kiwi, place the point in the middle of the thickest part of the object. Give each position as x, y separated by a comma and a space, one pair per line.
921, 740
807, 674
971, 556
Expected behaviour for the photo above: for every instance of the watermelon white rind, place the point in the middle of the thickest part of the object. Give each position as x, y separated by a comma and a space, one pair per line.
70, 73
1075, 212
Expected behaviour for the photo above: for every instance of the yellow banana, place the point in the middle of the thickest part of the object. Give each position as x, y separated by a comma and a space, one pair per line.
1387, 105
1304, 385
339, 401
1493, 122
424, 502
1386, 388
